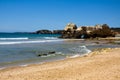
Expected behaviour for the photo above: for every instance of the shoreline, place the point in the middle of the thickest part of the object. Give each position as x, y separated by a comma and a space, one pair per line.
94, 52
99, 41
40, 63
106, 59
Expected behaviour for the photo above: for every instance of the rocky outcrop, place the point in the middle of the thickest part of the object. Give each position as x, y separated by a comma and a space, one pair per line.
49, 32
71, 27
87, 31
43, 32
58, 31
46, 54
116, 30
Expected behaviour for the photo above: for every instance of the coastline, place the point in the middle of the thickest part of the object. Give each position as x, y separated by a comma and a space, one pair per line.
100, 64
75, 48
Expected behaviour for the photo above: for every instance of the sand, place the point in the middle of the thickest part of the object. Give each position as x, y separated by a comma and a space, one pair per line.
99, 65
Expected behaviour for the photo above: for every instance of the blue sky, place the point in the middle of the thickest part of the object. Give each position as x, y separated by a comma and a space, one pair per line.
32, 15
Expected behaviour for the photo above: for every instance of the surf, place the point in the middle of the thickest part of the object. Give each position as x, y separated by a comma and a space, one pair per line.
26, 42
20, 38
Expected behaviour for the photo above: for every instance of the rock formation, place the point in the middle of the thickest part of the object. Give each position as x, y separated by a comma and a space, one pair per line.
43, 32
49, 32
71, 27
71, 31
46, 54
117, 30
58, 31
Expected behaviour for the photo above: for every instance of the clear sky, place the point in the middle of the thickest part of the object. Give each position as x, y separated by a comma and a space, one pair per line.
32, 15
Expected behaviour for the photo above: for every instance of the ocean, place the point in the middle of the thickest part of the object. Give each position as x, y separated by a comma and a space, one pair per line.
21, 49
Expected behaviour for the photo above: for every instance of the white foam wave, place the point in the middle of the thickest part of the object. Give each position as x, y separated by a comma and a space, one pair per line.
74, 56
24, 65
50, 38
81, 49
22, 42
24, 38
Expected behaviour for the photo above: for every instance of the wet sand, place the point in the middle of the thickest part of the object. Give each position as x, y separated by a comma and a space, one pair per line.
99, 65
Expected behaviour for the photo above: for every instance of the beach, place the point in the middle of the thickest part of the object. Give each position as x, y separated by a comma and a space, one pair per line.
60, 40
98, 65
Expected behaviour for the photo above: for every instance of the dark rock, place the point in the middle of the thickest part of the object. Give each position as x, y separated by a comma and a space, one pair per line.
116, 30
44, 54
58, 31
39, 55
51, 52
104, 32
43, 32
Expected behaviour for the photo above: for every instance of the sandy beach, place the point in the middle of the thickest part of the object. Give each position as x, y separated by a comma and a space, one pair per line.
99, 65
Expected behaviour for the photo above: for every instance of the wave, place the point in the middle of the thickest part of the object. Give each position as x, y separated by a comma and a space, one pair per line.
74, 56
22, 42
50, 38
81, 49
24, 38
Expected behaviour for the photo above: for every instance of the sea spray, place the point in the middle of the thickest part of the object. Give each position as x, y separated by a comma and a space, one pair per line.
81, 50
78, 51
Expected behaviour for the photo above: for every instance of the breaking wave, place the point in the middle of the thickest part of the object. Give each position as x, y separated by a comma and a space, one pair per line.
24, 38
78, 51
81, 49
22, 42
50, 38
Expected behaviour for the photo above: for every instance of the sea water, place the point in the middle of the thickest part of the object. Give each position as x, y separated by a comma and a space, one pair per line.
23, 48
